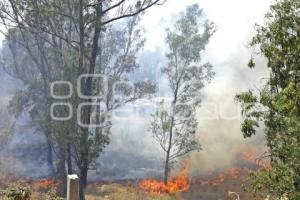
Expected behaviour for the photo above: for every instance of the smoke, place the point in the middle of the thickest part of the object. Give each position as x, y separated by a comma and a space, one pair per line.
22, 154
21, 146
132, 152
220, 119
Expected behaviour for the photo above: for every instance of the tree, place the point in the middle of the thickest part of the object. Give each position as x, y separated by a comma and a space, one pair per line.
174, 126
62, 39
277, 104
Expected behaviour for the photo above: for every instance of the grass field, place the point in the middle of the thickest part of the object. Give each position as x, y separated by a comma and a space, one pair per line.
131, 191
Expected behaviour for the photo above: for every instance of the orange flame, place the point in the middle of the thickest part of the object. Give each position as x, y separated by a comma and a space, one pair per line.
180, 183
47, 183
232, 173
249, 155
236, 172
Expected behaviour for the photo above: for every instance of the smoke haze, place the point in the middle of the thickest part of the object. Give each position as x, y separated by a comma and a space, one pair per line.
132, 152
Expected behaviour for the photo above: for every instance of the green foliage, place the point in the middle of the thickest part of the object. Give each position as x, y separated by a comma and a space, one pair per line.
277, 105
18, 192
251, 63
19, 102
51, 195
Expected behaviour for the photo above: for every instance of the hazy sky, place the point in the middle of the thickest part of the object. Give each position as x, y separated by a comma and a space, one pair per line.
228, 48
234, 20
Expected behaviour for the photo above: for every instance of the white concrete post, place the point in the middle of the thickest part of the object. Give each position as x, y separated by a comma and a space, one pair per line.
72, 187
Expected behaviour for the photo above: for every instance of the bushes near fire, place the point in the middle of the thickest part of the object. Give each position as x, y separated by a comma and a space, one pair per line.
277, 104
17, 191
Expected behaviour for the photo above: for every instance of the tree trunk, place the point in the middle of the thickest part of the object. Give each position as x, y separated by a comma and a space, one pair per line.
81, 191
167, 169
69, 159
88, 91
83, 181
61, 174
50, 156
87, 112
167, 164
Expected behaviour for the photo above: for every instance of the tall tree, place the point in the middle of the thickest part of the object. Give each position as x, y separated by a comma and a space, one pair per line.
175, 126
63, 41
277, 104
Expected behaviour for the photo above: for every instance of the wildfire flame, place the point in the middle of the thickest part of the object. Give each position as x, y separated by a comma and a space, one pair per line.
236, 172
249, 155
182, 183
179, 183
232, 173
47, 183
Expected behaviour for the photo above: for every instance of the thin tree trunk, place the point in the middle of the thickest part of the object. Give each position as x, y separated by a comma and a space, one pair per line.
50, 156
83, 181
167, 164
61, 174
69, 159
167, 169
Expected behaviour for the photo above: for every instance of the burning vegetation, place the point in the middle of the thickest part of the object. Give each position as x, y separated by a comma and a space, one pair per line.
232, 173
47, 183
180, 182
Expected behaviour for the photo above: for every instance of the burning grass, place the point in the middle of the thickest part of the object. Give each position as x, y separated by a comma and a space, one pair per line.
130, 190
230, 174
180, 183
212, 186
47, 183
249, 156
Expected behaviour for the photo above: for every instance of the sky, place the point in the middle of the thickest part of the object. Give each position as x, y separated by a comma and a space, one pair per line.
228, 49
234, 20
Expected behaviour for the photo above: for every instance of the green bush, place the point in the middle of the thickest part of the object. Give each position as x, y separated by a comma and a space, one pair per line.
52, 196
17, 192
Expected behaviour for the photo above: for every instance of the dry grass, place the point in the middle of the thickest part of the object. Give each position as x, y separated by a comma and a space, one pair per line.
121, 192
130, 191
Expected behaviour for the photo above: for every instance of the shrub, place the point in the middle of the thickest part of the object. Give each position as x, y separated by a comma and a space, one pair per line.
52, 196
17, 192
